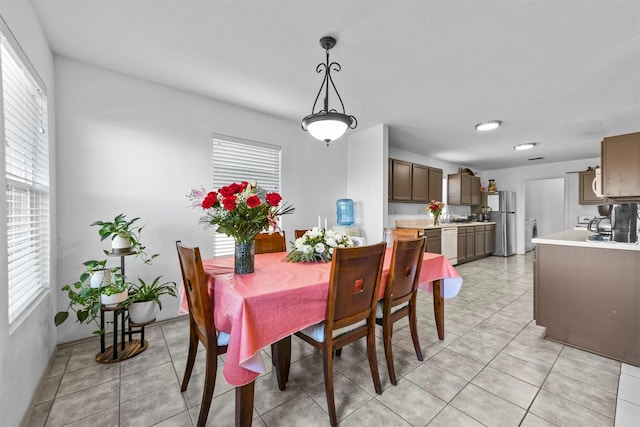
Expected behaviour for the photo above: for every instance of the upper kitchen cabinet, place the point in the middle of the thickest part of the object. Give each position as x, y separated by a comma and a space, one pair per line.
400, 179
435, 184
464, 189
586, 196
411, 182
621, 167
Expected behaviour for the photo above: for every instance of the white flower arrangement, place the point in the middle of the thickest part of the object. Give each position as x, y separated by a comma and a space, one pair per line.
316, 245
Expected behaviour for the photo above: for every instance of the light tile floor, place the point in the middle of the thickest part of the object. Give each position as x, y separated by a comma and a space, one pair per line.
494, 368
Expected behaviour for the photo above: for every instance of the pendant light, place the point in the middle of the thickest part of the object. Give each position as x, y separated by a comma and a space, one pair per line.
328, 124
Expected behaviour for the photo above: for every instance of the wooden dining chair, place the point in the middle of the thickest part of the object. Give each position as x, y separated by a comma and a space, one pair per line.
299, 233
267, 243
393, 234
354, 285
201, 325
280, 351
400, 296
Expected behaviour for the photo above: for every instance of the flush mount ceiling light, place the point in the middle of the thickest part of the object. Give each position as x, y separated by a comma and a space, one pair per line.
489, 125
328, 124
525, 146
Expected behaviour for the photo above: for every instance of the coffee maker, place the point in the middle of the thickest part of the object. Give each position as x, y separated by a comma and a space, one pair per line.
624, 222
601, 224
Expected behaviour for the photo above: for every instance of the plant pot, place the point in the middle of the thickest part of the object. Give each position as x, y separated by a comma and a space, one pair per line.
120, 245
143, 312
115, 299
100, 278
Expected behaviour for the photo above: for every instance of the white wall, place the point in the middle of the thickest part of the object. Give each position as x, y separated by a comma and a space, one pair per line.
367, 170
131, 146
26, 346
514, 179
545, 202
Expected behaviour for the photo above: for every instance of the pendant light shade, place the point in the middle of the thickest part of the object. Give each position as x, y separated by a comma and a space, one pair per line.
328, 124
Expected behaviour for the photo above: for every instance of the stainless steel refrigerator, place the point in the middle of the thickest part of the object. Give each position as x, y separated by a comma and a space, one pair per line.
503, 213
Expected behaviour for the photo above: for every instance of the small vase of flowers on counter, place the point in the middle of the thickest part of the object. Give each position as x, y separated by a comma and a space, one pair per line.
435, 207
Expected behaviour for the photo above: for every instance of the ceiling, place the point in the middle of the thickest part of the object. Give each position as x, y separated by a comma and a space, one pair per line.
563, 74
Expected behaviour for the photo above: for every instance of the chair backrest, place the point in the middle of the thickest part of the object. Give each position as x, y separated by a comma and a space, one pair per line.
299, 233
196, 286
267, 243
354, 284
393, 234
404, 273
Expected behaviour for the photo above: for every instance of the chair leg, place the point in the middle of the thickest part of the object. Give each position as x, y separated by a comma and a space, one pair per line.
191, 358
209, 385
373, 361
387, 334
413, 326
328, 385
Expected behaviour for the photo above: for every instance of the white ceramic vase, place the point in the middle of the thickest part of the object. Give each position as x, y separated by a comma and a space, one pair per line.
120, 244
100, 278
143, 312
115, 299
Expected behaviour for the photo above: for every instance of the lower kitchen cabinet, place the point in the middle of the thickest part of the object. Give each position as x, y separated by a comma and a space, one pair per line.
462, 245
470, 238
489, 238
475, 242
479, 240
434, 241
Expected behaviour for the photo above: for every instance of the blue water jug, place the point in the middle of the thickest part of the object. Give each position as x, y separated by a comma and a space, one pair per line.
345, 212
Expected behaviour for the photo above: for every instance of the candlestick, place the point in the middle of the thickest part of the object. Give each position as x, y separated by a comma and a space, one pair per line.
319, 225
325, 223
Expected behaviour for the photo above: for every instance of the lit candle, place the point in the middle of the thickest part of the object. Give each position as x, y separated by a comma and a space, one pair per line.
319, 225
325, 223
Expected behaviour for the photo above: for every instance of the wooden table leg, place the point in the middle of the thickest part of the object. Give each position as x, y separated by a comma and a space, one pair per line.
438, 307
281, 355
244, 404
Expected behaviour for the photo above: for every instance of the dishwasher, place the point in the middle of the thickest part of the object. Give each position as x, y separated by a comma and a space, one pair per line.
450, 244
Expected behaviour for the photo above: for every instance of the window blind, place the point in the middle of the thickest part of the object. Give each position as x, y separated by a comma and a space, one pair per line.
237, 160
24, 106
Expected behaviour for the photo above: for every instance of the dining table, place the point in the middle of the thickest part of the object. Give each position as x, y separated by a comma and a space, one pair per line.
279, 298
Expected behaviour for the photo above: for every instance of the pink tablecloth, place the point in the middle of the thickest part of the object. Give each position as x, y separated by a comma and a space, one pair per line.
281, 298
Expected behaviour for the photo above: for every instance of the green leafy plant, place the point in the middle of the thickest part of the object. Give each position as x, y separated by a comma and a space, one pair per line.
85, 300
126, 229
143, 291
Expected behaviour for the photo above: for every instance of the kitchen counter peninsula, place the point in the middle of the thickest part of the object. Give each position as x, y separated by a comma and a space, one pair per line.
587, 294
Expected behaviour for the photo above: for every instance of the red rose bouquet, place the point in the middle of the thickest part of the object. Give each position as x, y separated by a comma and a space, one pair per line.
240, 210
435, 208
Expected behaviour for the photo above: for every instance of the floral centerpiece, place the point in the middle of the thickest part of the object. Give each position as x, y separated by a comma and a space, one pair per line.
317, 244
435, 207
240, 211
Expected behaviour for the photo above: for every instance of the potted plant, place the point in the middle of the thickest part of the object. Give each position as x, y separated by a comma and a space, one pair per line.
84, 299
114, 293
144, 299
125, 236
97, 273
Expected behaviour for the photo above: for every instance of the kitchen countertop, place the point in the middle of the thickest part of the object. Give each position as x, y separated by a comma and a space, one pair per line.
428, 224
579, 238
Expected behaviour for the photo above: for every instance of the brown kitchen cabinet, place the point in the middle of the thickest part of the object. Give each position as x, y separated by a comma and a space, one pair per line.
462, 244
620, 171
411, 182
401, 175
489, 239
471, 243
479, 240
586, 196
464, 189
435, 184
434, 241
